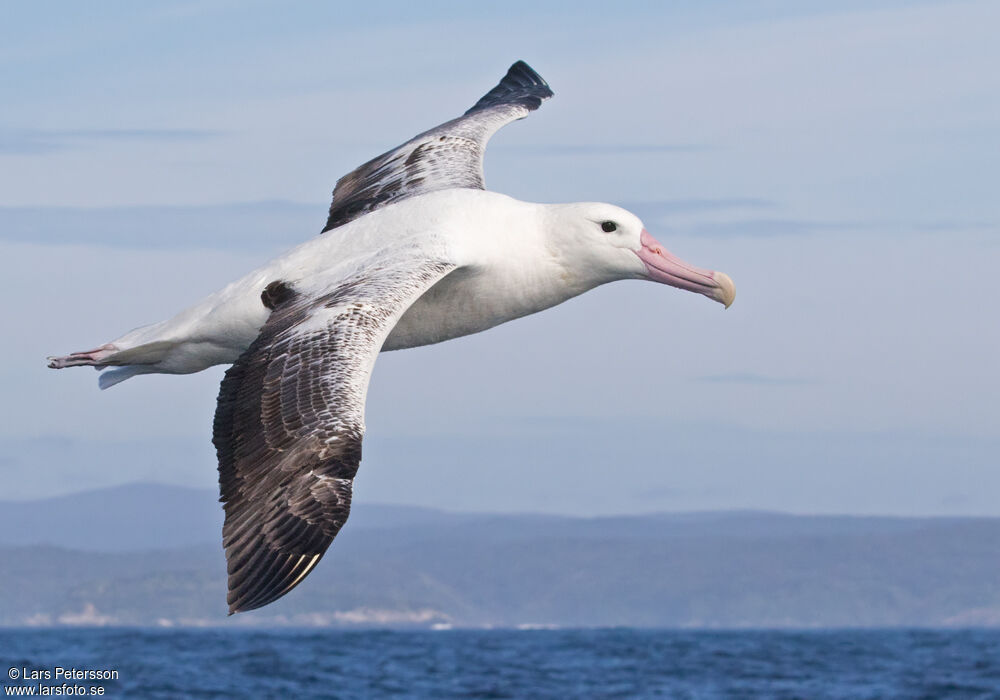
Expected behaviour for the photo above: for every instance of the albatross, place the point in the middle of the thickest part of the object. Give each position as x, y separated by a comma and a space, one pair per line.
415, 251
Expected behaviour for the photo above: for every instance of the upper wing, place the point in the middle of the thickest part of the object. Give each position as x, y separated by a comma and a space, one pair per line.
447, 156
290, 420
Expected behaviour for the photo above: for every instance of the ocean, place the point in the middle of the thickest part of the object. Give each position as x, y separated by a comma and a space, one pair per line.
600, 663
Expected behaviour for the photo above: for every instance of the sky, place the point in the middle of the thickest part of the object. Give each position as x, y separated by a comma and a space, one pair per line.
840, 161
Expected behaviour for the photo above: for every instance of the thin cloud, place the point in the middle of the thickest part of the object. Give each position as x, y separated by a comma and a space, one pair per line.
956, 226
43, 141
753, 378
805, 227
699, 205
254, 225
580, 149
775, 227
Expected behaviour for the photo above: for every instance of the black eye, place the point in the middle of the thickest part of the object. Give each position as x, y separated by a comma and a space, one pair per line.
609, 226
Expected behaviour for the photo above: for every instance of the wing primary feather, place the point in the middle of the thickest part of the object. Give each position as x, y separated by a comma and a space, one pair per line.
448, 156
290, 421
522, 86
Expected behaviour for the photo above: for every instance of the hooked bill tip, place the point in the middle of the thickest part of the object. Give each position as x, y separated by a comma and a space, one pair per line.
726, 290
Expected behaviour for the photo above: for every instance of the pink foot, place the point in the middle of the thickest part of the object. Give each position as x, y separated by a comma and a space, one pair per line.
93, 357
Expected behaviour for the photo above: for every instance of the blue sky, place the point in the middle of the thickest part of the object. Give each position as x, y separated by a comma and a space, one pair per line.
839, 160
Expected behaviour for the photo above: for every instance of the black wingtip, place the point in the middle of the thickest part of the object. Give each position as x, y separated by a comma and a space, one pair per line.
522, 71
266, 577
522, 86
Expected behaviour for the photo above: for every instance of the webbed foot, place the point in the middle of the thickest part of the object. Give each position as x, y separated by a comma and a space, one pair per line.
93, 357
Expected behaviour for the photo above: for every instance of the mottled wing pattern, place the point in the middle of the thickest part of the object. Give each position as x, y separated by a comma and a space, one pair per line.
290, 420
447, 156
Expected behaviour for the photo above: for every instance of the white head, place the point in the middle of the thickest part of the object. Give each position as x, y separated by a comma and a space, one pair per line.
606, 243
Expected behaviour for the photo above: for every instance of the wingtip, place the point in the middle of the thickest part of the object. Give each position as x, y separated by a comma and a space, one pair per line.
520, 69
234, 606
521, 85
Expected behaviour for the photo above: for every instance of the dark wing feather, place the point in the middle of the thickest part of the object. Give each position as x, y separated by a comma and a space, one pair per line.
289, 425
447, 156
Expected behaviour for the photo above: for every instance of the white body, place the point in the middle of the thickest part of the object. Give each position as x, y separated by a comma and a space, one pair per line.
511, 262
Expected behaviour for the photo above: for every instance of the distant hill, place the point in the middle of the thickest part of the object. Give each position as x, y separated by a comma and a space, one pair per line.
148, 554
137, 517
122, 518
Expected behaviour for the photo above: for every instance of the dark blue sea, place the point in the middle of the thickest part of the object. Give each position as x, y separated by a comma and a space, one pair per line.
606, 663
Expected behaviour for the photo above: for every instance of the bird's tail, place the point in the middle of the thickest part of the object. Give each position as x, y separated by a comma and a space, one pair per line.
110, 377
125, 362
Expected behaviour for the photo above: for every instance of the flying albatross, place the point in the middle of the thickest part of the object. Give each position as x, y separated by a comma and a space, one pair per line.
415, 251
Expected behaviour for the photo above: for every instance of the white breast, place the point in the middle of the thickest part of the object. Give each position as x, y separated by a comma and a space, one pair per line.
470, 300
507, 272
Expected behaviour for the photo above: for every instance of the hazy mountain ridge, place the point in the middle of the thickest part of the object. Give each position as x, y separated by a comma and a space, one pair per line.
410, 566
